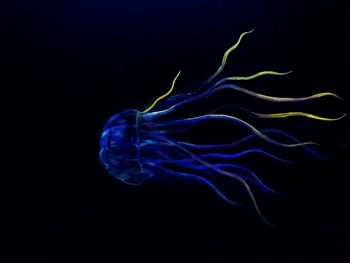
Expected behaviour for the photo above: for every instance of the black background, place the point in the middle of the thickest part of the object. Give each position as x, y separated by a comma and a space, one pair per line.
66, 66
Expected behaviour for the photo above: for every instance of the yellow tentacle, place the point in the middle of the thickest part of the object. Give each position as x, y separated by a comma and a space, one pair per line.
164, 95
285, 99
224, 58
295, 114
255, 130
256, 75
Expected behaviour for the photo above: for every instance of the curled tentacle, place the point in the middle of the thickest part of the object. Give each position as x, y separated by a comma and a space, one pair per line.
224, 58
164, 95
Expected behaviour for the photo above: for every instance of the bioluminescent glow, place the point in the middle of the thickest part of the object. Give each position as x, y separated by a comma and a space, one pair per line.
138, 145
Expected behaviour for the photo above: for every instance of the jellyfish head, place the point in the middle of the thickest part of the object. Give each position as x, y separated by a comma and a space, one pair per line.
120, 148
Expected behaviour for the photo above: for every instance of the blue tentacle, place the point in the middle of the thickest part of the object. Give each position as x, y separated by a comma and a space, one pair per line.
196, 178
222, 172
233, 119
292, 138
254, 177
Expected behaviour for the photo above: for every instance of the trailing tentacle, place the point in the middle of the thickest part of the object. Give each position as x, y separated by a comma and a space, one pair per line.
196, 178
231, 119
223, 172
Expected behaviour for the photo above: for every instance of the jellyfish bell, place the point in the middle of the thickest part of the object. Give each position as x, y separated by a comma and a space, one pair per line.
120, 148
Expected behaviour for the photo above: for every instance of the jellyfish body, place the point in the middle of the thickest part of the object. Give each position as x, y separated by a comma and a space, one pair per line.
120, 148
138, 145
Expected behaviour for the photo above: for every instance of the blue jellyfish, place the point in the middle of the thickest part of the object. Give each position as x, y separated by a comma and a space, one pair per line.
139, 145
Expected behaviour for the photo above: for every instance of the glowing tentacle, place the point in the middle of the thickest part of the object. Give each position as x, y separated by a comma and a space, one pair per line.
254, 76
242, 153
224, 58
164, 95
228, 156
274, 98
295, 114
232, 119
218, 146
307, 148
223, 172
278, 115
217, 72
215, 89
153, 146
184, 163
254, 178
249, 137
148, 148
197, 178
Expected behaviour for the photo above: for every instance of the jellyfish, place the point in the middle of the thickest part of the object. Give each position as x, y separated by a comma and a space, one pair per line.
137, 145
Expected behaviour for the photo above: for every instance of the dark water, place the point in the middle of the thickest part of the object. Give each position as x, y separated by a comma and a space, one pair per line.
66, 66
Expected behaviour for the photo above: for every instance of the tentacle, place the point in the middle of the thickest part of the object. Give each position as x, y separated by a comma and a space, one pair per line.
232, 119
250, 137
180, 129
213, 76
254, 76
220, 146
149, 116
188, 97
217, 88
274, 98
223, 172
236, 155
196, 178
307, 148
149, 148
164, 95
295, 114
253, 177
224, 58
278, 115
152, 145
230, 156
245, 169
